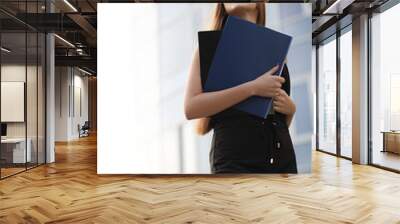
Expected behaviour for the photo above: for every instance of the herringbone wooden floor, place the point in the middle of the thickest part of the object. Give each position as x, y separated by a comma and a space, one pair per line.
69, 191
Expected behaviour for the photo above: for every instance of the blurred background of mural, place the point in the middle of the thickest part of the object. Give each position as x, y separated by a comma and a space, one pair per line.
167, 143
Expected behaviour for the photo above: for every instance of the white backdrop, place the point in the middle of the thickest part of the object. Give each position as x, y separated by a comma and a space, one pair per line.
12, 100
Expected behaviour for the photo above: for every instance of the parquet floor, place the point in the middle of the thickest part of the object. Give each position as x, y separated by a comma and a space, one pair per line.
10, 171
69, 191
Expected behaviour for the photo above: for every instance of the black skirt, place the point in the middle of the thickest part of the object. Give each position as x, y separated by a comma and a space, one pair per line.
251, 145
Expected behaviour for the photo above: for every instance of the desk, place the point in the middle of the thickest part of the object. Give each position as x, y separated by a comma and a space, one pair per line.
391, 141
13, 150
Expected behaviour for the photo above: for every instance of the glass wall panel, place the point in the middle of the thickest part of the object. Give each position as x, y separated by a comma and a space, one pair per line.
385, 88
314, 93
41, 98
327, 95
32, 95
346, 92
22, 91
41, 86
14, 153
32, 87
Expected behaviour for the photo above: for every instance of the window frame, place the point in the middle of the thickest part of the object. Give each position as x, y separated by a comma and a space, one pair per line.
336, 38
371, 14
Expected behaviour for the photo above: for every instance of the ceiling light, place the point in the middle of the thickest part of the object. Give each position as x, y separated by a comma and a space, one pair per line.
5, 50
326, 11
84, 71
64, 40
70, 5
338, 6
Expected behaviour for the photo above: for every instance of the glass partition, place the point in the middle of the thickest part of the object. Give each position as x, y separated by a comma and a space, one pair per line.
41, 107
14, 153
32, 95
22, 78
32, 90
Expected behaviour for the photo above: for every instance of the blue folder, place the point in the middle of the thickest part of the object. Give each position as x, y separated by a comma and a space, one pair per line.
245, 51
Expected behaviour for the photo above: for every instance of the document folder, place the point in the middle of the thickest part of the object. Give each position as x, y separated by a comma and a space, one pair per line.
244, 52
208, 42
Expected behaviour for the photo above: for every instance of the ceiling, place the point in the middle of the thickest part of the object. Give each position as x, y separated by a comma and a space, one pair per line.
332, 15
76, 22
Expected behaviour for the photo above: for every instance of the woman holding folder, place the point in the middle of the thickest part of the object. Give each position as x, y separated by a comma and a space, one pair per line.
243, 143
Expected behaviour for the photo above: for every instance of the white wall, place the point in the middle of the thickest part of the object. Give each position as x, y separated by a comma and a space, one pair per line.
68, 82
12, 73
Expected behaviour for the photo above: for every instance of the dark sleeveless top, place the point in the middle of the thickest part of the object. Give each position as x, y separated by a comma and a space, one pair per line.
232, 113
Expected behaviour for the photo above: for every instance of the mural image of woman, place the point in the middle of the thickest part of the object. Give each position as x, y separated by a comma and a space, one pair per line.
243, 143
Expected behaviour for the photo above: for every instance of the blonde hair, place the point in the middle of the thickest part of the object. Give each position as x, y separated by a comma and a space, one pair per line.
203, 124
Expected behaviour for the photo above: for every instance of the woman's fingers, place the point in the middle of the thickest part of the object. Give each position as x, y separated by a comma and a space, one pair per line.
279, 97
278, 79
278, 102
283, 104
273, 70
278, 105
278, 109
282, 92
281, 109
277, 85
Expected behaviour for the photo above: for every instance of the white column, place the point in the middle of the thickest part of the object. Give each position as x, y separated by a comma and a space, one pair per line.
360, 90
50, 92
50, 99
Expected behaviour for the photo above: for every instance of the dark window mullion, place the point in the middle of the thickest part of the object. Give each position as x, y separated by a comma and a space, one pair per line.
338, 73
0, 95
369, 90
37, 90
26, 87
45, 91
317, 97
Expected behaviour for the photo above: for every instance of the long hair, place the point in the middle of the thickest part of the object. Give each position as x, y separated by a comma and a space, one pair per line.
203, 124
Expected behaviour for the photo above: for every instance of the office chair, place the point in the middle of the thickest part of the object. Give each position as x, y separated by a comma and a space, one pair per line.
84, 130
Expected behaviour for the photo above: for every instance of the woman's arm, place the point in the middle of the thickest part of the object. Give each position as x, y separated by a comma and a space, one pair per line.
199, 104
289, 119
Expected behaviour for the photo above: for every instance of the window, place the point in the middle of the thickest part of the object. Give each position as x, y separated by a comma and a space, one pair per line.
327, 95
346, 92
385, 89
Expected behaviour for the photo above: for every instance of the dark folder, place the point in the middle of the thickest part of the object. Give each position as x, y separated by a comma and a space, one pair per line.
208, 42
244, 52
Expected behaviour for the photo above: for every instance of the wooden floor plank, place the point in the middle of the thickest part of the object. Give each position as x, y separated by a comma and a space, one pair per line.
70, 191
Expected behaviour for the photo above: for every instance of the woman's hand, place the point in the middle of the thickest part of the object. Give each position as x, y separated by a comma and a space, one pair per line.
268, 84
283, 103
